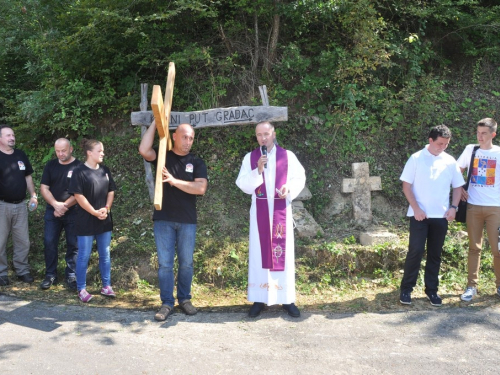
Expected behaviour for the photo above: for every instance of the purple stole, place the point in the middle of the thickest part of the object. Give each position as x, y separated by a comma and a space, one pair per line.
272, 245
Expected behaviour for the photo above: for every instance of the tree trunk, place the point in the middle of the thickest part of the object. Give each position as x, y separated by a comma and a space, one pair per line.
273, 43
226, 41
255, 62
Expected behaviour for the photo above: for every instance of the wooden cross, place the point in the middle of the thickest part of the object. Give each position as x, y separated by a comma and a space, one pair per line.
360, 186
198, 119
161, 111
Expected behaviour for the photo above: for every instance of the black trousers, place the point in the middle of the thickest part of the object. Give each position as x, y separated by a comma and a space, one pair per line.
433, 232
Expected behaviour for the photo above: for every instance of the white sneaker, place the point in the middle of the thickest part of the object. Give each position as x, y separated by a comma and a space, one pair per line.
468, 294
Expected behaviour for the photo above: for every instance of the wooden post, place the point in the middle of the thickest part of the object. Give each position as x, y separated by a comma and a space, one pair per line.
263, 95
161, 112
147, 165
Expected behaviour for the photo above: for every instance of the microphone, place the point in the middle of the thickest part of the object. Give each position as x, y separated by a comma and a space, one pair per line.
264, 152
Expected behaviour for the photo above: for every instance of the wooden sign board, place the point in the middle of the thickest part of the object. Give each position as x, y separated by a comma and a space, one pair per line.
217, 116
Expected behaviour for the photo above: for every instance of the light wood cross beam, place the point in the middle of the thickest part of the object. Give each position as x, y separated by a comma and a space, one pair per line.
360, 186
161, 111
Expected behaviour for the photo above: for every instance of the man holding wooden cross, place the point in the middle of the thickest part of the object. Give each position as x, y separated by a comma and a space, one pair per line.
184, 177
274, 177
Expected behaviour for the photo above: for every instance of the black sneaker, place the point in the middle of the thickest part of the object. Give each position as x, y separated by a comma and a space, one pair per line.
48, 282
405, 298
71, 282
4, 280
292, 310
256, 309
26, 278
434, 299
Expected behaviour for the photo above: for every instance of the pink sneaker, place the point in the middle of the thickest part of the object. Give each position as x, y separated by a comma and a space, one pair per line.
108, 291
84, 296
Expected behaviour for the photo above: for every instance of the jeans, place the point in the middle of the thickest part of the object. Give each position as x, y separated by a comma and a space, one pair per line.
477, 217
82, 261
433, 231
172, 238
14, 220
53, 228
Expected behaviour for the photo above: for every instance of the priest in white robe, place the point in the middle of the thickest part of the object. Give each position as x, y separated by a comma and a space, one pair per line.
274, 177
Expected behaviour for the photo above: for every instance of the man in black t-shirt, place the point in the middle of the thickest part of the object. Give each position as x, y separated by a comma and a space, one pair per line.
59, 214
184, 177
15, 178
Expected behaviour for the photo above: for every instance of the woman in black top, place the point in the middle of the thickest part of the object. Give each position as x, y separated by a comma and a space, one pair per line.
94, 190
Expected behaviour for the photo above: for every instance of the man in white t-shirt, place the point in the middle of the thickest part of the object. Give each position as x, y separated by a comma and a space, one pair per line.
427, 177
483, 202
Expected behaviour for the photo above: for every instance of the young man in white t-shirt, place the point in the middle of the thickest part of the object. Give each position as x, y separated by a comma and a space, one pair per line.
427, 177
483, 202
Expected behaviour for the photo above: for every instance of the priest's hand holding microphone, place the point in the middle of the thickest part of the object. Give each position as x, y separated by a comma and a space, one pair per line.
262, 164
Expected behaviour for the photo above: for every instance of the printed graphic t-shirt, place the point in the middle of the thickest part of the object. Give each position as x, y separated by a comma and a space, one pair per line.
484, 186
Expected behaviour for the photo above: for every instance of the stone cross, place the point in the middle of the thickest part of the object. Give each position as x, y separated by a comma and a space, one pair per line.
161, 111
360, 186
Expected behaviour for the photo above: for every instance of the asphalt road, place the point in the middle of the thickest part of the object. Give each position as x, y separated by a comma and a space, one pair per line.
40, 338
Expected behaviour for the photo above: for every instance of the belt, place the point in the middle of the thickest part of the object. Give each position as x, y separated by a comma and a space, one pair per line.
13, 202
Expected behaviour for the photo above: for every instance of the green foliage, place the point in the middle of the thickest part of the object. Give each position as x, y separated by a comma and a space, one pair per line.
363, 81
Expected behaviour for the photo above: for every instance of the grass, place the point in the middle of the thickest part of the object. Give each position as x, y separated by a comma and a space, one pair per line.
333, 273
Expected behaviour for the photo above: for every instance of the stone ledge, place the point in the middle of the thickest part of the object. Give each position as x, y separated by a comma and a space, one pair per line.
376, 237
357, 258
306, 226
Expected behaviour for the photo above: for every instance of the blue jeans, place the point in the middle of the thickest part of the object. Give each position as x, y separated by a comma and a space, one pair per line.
433, 232
52, 233
172, 238
84, 249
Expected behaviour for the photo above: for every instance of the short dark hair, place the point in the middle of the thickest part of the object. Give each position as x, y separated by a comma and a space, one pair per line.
440, 131
4, 126
488, 123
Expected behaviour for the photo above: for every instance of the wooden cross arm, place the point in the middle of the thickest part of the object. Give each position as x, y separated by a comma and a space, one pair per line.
161, 110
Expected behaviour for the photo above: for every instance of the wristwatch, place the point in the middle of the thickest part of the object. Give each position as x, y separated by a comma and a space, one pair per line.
455, 207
